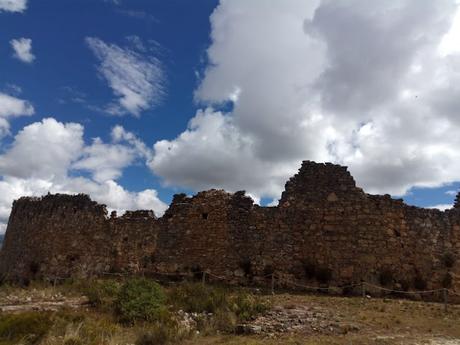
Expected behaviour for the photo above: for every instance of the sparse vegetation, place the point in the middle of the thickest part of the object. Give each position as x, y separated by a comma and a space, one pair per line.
28, 328
101, 293
217, 311
199, 298
160, 334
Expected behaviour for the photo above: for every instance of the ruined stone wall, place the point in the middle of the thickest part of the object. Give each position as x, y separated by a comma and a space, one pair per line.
324, 231
59, 236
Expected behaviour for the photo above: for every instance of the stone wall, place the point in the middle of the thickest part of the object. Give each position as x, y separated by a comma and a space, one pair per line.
324, 231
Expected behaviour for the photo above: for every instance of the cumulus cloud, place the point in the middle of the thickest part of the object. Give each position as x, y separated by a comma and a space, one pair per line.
45, 157
12, 107
43, 150
23, 49
358, 83
106, 160
13, 5
136, 77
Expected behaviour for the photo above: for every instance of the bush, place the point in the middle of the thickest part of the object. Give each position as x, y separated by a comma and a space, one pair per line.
198, 298
222, 308
28, 327
247, 306
101, 292
140, 299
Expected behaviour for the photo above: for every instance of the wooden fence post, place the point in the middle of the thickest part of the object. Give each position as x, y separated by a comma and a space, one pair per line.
203, 279
445, 294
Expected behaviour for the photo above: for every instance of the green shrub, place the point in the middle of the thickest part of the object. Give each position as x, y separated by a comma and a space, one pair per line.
140, 299
226, 307
29, 327
101, 292
247, 306
198, 298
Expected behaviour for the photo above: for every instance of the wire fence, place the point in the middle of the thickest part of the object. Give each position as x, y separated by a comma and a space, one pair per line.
278, 282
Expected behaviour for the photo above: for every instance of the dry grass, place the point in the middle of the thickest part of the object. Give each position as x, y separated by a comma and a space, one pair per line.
380, 321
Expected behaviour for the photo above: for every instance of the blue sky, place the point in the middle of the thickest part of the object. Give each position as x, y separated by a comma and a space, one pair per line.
133, 101
65, 68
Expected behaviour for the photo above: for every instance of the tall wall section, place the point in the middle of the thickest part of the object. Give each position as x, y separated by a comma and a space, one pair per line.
59, 236
324, 231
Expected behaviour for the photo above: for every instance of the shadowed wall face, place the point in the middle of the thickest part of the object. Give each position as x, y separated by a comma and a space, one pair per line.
324, 231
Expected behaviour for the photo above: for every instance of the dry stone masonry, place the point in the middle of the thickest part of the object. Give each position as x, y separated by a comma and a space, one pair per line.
325, 231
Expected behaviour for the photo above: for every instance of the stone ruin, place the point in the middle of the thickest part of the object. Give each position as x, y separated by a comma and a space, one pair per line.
325, 231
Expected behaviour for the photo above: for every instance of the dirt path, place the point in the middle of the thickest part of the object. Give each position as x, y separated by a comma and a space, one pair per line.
18, 307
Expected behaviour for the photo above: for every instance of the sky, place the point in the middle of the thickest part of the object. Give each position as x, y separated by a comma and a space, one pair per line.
132, 101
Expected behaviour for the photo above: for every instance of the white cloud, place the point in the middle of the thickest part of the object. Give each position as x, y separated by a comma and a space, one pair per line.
358, 83
13, 5
449, 43
43, 150
12, 107
212, 152
452, 192
23, 49
105, 161
136, 77
45, 156
442, 207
